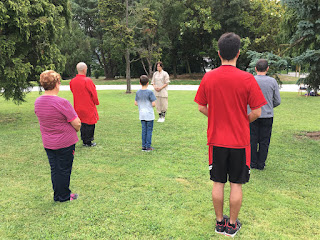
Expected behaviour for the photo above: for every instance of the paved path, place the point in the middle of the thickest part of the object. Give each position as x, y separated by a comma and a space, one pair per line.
284, 88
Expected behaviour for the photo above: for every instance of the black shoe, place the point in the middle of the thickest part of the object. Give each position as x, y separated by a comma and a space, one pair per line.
144, 149
149, 149
231, 231
221, 226
93, 144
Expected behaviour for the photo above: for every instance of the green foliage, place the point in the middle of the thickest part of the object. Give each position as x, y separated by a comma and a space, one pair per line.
29, 30
306, 37
76, 47
276, 63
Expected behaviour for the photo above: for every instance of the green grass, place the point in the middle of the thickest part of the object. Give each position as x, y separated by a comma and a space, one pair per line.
165, 194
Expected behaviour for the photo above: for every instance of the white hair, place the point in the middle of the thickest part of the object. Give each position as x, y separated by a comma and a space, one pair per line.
81, 66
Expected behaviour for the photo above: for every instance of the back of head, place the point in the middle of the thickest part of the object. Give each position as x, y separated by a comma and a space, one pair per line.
144, 80
81, 67
49, 79
229, 46
262, 65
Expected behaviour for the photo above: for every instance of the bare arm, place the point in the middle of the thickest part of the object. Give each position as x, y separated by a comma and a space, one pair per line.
203, 109
136, 103
76, 124
254, 114
154, 104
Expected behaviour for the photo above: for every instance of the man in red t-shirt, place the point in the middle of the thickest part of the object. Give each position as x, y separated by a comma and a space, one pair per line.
85, 99
223, 96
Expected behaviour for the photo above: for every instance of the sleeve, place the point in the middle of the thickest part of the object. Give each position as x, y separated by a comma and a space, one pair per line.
67, 110
256, 98
152, 97
201, 97
166, 78
152, 81
70, 84
92, 90
276, 95
136, 98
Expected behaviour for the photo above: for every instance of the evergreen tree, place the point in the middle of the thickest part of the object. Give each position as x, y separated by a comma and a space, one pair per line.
306, 37
29, 30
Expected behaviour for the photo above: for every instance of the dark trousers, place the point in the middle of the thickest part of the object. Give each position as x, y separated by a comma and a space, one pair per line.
61, 165
260, 134
87, 132
147, 127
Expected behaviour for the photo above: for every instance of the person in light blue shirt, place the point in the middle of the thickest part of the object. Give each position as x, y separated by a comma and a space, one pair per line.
145, 100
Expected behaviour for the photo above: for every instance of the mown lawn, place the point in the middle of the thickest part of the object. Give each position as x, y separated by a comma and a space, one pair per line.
165, 194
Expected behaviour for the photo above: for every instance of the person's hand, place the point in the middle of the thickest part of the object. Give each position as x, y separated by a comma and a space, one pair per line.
157, 89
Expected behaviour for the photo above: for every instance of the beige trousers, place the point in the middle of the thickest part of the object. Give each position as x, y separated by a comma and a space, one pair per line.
161, 104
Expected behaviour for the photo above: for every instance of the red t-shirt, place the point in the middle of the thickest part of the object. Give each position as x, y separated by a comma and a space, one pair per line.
227, 91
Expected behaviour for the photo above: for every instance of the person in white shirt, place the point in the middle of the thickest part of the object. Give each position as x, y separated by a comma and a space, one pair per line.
160, 82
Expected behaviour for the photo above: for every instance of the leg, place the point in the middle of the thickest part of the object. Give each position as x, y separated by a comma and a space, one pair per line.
254, 135
144, 133
217, 199
265, 135
235, 201
83, 132
52, 161
64, 162
164, 106
149, 133
91, 129
158, 105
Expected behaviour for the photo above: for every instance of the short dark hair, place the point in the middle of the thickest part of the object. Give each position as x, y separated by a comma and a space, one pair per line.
144, 80
262, 65
159, 63
229, 45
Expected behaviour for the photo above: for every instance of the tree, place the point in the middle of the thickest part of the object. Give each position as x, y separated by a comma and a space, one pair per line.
276, 63
29, 30
306, 38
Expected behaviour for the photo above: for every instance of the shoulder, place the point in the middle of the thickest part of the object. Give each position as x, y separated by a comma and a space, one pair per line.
165, 73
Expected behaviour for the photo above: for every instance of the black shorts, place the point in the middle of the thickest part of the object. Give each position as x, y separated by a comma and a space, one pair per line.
232, 162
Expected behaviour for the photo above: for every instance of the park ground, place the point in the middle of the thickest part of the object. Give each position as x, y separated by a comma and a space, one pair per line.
165, 194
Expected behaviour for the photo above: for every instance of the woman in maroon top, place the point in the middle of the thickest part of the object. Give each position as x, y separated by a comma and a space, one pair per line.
59, 125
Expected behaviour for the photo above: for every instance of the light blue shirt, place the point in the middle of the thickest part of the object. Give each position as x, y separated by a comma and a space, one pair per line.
144, 99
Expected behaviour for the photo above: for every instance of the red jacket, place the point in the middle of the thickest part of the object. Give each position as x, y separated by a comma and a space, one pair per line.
85, 99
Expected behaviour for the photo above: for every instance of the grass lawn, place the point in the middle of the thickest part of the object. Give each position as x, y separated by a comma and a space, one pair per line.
165, 194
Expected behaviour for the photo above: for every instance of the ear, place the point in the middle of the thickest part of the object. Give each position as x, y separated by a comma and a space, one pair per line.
267, 69
238, 54
219, 54
255, 69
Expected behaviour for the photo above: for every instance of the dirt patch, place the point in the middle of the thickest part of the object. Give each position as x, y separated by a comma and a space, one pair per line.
311, 135
183, 181
4, 119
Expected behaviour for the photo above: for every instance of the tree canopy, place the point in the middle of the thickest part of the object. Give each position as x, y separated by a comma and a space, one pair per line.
29, 31
127, 37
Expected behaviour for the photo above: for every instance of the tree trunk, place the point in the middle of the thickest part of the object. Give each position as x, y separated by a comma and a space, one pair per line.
188, 66
128, 73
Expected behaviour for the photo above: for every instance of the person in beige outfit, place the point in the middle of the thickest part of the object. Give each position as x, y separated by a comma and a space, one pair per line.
160, 82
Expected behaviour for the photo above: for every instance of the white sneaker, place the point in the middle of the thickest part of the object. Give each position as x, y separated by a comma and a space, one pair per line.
163, 119
160, 120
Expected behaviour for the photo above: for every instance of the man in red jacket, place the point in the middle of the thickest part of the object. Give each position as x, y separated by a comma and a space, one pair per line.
85, 99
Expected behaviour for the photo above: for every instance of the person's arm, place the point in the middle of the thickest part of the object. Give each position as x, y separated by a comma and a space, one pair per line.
76, 124
276, 96
136, 103
203, 109
163, 86
93, 91
254, 114
153, 103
